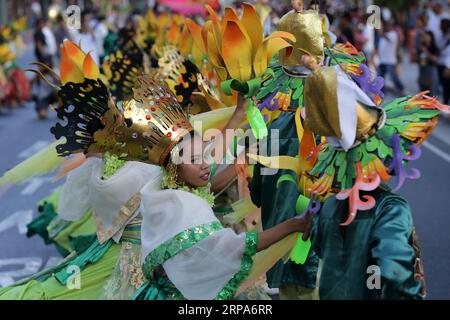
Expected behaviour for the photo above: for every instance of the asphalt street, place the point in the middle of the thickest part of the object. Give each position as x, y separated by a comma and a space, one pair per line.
22, 134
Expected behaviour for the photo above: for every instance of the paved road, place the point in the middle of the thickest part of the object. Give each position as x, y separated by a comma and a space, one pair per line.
21, 133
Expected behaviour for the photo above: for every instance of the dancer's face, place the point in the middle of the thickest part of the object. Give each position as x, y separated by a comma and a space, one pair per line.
195, 172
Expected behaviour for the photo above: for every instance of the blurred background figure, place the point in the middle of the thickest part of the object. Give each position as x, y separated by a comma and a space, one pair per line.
44, 49
61, 32
86, 38
444, 60
428, 54
436, 14
36, 12
413, 17
388, 48
345, 32
99, 31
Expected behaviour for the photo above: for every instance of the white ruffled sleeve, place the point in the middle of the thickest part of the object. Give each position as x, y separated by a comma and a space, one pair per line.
201, 258
74, 196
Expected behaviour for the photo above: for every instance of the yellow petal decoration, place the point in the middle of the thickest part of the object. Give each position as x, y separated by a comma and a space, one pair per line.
238, 45
69, 70
5, 54
90, 68
173, 34
323, 185
237, 52
196, 32
252, 23
418, 132
186, 42
216, 27
76, 65
376, 167
75, 53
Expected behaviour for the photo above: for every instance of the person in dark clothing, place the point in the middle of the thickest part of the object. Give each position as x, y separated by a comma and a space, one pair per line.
60, 31
428, 55
40, 43
42, 94
346, 30
373, 258
444, 61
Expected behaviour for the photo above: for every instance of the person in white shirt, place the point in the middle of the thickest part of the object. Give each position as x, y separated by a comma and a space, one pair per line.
387, 55
50, 41
435, 15
100, 31
87, 41
36, 9
44, 51
369, 46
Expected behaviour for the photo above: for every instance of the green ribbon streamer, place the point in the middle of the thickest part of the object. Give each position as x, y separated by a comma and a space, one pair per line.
300, 252
213, 169
256, 121
247, 88
288, 178
91, 255
302, 204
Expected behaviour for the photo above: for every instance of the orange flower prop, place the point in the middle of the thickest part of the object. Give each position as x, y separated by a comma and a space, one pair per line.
76, 65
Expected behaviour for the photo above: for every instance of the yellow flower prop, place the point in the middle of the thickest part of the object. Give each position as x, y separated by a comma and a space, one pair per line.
239, 53
237, 48
20, 24
5, 54
5, 32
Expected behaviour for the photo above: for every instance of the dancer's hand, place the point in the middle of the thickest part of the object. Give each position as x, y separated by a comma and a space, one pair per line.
241, 103
275, 234
309, 62
303, 225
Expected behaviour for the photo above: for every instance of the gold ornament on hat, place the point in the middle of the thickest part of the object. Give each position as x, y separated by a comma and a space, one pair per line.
307, 27
154, 122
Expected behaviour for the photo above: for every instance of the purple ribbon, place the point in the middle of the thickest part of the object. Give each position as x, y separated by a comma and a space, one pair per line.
401, 172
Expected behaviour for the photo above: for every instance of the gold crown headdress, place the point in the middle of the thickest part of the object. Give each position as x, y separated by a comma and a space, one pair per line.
155, 122
146, 129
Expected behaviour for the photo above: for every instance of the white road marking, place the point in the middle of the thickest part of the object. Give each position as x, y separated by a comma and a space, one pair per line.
34, 184
23, 267
442, 133
19, 219
6, 281
52, 261
441, 139
30, 265
437, 151
34, 148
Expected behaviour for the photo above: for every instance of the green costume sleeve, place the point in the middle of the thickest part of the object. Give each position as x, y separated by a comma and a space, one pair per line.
392, 249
